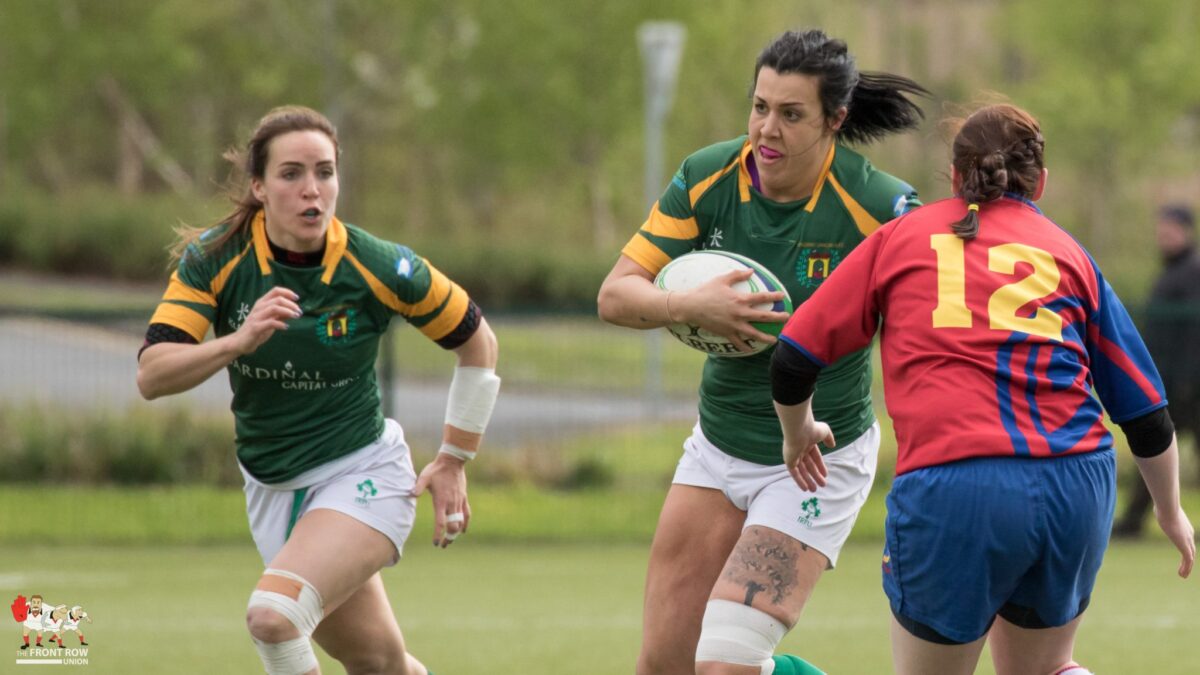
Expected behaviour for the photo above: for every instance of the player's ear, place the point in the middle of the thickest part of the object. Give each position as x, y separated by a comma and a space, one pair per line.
1041, 185
256, 189
838, 118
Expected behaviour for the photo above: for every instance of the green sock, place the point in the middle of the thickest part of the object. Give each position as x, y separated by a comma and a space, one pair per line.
786, 664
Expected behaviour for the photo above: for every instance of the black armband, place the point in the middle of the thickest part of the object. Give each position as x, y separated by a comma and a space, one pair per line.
1151, 434
793, 374
465, 328
161, 332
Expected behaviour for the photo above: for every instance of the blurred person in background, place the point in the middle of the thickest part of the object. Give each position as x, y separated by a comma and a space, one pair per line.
1172, 330
1002, 347
298, 302
738, 550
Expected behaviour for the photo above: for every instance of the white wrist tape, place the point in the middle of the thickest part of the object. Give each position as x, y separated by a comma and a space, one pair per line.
455, 451
472, 396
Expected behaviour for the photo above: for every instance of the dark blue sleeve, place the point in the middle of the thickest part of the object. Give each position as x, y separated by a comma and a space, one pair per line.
1123, 372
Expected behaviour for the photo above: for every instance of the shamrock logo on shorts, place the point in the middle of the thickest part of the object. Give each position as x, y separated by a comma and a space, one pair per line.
367, 488
811, 508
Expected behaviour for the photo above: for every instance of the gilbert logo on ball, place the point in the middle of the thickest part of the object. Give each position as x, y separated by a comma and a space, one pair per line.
697, 268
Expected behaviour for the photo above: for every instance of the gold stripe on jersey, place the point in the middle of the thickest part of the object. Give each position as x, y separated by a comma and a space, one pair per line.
865, 222
660, 224
440, 287
177, 290
262, 246
744, 179
451, 315
335, 248
641, 251
335, 245
184, 318
385, 294
816, 194
700, 188
218, 282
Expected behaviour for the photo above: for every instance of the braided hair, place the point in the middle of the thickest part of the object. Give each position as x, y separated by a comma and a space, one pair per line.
998, 149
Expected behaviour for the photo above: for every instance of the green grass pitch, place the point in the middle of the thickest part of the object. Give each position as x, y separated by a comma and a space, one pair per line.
535, 608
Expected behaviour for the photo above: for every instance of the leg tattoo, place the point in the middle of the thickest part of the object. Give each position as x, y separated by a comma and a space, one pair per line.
765, 564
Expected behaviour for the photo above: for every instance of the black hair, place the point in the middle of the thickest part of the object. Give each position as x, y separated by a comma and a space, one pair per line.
1179, 214
876, 103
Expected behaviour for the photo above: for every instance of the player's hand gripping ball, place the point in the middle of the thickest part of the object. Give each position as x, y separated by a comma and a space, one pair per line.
699, 267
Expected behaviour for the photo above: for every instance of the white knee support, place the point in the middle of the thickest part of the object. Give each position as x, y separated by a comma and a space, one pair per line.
735, 633
291, 657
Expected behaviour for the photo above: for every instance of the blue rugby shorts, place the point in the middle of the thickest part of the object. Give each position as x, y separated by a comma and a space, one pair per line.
969, 539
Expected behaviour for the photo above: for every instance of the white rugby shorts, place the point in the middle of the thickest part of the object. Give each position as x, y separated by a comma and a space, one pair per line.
771, 498
371, 485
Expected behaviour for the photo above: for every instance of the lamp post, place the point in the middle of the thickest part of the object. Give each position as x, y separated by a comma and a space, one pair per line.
661, 47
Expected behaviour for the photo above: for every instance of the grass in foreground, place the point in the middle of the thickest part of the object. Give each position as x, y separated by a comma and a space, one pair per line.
530, 609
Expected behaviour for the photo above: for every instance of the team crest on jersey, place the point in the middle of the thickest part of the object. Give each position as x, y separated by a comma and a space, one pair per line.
814, 265
335, 327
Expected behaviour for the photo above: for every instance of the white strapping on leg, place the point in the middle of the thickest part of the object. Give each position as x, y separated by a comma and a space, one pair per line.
290, 657
735, 633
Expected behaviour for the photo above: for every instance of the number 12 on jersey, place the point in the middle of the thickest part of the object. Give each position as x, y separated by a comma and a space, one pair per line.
1006, 301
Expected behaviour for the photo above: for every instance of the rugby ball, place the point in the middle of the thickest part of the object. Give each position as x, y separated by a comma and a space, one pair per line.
698, 267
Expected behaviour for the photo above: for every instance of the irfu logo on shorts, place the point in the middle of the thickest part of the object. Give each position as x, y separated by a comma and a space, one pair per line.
810, 509
366, 489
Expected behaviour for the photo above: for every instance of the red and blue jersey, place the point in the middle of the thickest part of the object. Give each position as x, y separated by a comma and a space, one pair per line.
1004, 345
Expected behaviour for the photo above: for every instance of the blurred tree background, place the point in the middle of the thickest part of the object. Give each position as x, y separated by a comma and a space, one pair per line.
503, 139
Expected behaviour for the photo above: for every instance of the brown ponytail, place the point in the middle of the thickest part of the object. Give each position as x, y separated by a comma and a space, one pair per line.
998, 149
252, 163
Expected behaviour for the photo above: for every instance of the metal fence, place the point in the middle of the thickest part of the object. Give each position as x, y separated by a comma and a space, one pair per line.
564, 375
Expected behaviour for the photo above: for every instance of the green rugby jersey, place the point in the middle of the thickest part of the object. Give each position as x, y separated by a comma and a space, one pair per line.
309, 394
711, 203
